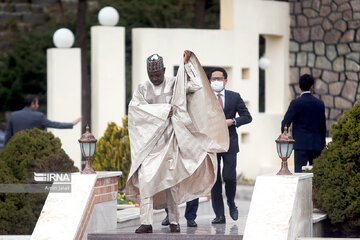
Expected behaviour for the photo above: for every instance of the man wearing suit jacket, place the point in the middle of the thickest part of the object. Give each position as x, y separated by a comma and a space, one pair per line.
29, 118
231, 103
307, 115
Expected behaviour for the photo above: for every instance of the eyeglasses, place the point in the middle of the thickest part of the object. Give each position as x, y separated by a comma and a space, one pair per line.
217, 78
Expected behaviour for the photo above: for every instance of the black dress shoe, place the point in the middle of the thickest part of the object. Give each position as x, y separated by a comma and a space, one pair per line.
191, 223
165, 222
218, 220
234, 213
144, 229
175, 228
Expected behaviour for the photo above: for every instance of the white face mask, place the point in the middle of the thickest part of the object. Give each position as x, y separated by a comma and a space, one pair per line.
217, 86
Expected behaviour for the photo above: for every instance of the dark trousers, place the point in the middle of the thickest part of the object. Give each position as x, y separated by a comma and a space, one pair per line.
191, 209
302, 157
229, 177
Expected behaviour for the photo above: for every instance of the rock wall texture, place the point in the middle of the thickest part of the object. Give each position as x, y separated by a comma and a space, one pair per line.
325, 42
22, 16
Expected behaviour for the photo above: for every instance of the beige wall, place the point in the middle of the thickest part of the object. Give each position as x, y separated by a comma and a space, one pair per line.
234, 47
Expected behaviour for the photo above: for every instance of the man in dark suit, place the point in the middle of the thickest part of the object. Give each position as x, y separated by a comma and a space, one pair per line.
232, 104
29, 118
307, 115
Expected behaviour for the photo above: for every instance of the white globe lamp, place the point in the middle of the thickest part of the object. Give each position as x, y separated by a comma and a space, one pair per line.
63, 38
108, 16
264, 63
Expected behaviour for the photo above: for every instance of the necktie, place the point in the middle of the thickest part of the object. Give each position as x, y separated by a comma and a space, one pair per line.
220, 100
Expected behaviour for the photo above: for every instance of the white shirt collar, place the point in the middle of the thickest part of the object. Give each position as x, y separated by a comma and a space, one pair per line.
304, 92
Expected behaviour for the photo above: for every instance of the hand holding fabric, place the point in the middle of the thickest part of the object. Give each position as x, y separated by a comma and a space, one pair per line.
187, 55
229, 122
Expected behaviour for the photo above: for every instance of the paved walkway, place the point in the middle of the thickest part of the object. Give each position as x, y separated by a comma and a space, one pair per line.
128, 222
204, 229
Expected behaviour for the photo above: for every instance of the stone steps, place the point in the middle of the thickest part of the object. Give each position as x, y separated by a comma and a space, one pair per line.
15, 237
128, 221
326, 238
130, 216
167, 236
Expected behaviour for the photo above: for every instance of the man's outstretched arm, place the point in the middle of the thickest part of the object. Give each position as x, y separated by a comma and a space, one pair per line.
62, 125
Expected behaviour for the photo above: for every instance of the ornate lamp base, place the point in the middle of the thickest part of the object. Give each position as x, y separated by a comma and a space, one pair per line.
88, 168
284, 168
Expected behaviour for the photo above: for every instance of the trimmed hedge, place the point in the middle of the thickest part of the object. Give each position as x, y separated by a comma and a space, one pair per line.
337, 175
113, 151
28, 151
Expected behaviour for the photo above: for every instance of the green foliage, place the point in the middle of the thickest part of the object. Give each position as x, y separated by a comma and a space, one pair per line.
122, 200
113, 151
23, 64
163, 13
24, 70
337, 174
28, 151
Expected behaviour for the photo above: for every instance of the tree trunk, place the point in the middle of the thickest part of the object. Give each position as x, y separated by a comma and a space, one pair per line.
199, 18
82, 40
62, 12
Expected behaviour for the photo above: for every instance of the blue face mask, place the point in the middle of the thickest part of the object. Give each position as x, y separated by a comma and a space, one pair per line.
217, 86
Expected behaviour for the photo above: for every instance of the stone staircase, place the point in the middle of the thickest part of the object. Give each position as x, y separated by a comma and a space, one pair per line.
128, 221
327, 238
167, 236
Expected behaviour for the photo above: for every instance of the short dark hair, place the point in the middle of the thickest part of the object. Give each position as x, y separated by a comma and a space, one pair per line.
305, 82
220, 69
29, 99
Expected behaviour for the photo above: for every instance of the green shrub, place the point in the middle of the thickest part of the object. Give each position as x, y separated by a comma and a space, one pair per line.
113, 151
28, 151
337, 175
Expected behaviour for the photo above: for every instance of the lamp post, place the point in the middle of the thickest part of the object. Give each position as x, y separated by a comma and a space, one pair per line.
87, 146
284, 146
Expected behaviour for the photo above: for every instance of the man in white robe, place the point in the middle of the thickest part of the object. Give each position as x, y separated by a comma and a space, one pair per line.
176, 126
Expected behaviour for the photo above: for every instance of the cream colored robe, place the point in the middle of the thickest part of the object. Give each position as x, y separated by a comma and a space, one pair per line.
179, 150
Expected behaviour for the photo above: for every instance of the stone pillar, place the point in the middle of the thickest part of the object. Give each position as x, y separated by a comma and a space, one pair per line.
281, 208
64, 96
108, 95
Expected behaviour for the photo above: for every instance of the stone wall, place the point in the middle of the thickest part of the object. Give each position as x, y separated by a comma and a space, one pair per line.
17, 17
21, 16
325, 42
